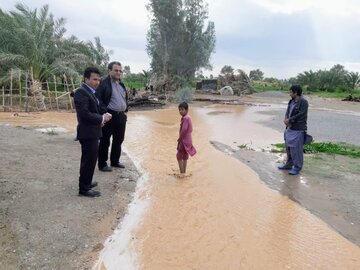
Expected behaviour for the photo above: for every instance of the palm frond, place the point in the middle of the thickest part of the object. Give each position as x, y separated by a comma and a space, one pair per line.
11, 58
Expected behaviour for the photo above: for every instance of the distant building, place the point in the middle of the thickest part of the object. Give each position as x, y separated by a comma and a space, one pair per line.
207, 85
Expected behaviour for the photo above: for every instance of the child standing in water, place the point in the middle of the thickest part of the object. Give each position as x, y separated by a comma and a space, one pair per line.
185, 146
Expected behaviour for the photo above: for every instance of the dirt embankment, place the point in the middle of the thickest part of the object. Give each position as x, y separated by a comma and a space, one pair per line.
44, 224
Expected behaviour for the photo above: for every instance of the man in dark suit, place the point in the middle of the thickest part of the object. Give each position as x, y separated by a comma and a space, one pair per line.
90, 123
114, 99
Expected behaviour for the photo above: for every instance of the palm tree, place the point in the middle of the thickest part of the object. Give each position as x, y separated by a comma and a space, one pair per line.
146, 75
36, 35
308, 79
323, 80
352, 80
33, 41
99, 54
337, 77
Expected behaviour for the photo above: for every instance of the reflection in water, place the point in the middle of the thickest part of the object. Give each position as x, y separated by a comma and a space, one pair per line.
236, 126
223, 216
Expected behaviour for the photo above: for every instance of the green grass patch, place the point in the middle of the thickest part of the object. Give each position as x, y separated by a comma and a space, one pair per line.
243, 146
51, 132
133, 84
325, 147
247, 147
337, 95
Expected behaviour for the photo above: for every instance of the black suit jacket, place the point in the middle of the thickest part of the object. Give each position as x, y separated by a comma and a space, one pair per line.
104, 92
88, 114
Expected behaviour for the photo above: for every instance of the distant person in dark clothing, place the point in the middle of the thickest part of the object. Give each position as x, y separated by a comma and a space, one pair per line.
295, 131
114, 100
134, 92
90, 121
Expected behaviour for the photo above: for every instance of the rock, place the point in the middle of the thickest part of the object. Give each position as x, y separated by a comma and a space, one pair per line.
226, 91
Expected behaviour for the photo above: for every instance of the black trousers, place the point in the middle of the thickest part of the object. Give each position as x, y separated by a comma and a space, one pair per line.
115, 128
89, 154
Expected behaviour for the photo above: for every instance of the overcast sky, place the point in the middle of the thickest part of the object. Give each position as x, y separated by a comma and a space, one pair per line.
280, 37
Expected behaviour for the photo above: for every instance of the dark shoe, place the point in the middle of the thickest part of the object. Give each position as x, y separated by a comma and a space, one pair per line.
294, 171
93, 184
285, 167
105, 169
118, 165
89, 193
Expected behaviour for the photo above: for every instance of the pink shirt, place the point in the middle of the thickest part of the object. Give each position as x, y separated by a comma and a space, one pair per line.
185, 135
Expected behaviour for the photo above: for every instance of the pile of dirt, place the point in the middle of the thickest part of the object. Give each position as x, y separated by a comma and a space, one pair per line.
240, 83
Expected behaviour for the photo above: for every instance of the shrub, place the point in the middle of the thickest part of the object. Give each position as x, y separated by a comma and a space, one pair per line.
184, 94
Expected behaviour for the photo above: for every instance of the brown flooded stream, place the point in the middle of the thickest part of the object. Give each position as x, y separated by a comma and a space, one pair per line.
221, 216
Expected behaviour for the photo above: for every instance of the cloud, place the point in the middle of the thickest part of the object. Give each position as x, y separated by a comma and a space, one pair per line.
285, 37
121, 25
281, 37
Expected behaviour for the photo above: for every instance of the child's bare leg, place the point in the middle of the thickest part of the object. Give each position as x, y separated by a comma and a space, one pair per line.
184, 165
180, 165
179, 162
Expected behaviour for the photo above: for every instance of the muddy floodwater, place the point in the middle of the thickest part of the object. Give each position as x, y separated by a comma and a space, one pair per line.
221, 216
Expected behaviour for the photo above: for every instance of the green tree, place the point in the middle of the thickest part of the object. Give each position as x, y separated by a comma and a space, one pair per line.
33, 40
308, 79
271, 80
98, 54
352, 80
227, 72
36, 35
337, 77
178, 41
226, 75
145, 74
256, 75
127, 70
323, 80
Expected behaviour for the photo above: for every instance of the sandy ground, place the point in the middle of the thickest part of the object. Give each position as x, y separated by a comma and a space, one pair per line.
44, 224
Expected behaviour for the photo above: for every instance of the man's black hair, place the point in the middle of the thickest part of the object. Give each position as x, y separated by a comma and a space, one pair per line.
89, 70
296, 88
184, 105
111, 64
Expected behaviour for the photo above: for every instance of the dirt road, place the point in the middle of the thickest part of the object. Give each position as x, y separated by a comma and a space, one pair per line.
44, 224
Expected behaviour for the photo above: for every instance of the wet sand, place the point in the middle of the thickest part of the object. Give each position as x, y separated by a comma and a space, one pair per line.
221, 216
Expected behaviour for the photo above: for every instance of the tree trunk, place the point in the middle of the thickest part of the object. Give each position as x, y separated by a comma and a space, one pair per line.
36, 97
